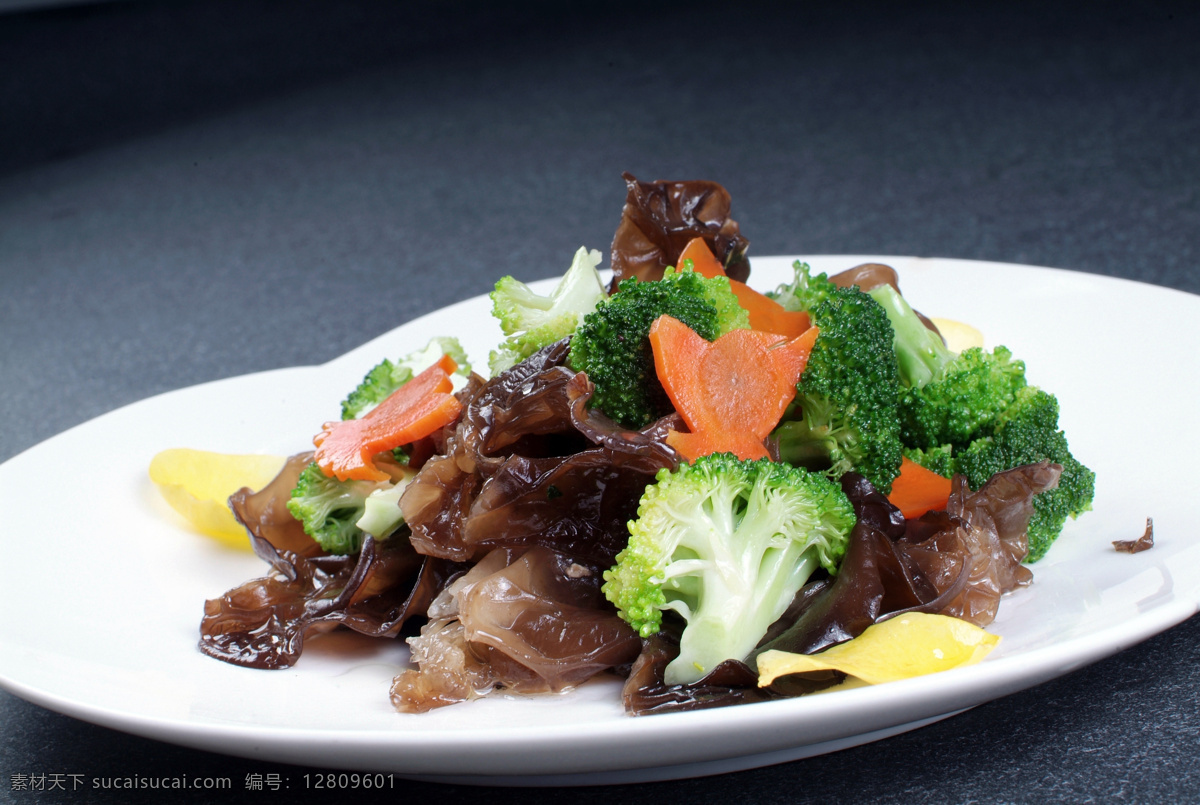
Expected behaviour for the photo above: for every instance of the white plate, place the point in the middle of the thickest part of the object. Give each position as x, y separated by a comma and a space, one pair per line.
102, 605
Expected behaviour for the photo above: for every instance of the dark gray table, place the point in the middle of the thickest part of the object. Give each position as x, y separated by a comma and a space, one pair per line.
197, 190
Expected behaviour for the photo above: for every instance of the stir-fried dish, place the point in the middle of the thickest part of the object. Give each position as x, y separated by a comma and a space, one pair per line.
670, 477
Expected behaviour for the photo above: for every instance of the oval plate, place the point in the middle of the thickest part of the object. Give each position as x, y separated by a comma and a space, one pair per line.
115, 607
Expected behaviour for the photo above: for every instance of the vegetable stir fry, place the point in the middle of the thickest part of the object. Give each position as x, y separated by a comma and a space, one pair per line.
671, 477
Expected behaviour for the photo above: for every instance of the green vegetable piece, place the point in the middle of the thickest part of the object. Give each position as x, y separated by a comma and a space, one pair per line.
846, 412
1024, 433
938, 459
920, 352
613, 344
532, 321
964, 402
725, 544
805, 291
384, 378
330, 510
381, 511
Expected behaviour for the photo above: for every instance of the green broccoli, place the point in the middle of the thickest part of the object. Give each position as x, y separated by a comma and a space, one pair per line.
945, 397
964, 402
1026, 432
726, 544
975, 414
804, 291
971, 412
532, 321
921, 353
612, 345
386, 377
846, 412
938, 459
337, 514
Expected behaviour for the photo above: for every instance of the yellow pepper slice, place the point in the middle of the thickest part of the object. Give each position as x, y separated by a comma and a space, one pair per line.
902, 647
198, 483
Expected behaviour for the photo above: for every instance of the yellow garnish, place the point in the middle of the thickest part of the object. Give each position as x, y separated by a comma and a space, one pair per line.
197, 484
958, 336
905, 646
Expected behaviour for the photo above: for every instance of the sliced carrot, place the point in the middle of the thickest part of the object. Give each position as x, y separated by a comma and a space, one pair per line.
765, 313
918, 490
793, 353
704, 262
746, 384
731, 392
675, 346
420, 407
693, 445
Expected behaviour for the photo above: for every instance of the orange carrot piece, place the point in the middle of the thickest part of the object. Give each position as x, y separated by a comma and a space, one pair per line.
704, 262
677, 349
731, 392
793, 353
744, 383
693, 445
765, 313
917, 490
421, 406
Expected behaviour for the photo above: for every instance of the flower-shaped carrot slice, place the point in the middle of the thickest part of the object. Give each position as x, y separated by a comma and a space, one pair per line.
731, 392
421, 406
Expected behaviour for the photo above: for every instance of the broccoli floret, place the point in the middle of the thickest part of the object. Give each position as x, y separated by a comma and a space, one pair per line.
921, 353
386, 377
726, 544
532, 321
938, 459
945, 397
1025, 433
612, 345
337, 514
805, 291
381, 510
964, 402
846, 412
